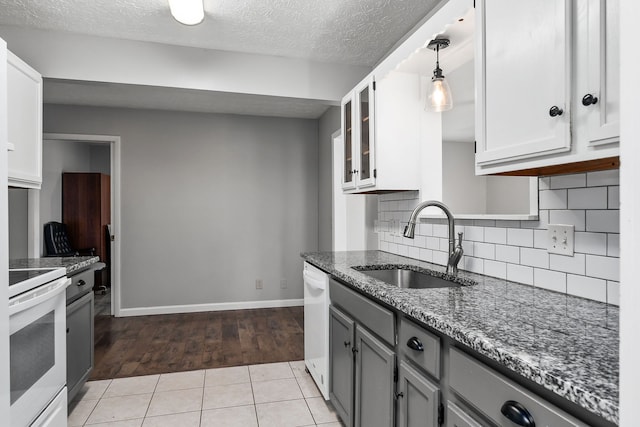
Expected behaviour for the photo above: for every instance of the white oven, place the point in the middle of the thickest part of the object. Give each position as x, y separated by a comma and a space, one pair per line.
37, 347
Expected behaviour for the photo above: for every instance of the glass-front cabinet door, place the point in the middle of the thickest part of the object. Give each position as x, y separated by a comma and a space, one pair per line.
366, 143
348, 164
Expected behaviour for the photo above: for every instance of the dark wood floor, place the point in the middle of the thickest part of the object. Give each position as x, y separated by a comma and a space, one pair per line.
131, 346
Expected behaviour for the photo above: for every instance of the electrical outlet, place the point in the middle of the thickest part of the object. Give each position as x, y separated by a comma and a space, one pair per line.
560, 239
283, 284
258, 283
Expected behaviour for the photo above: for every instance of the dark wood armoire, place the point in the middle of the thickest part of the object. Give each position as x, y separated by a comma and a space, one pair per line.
86, 211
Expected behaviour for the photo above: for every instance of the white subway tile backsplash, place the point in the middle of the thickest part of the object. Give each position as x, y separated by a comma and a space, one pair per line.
587, 287
553, 199
575, 218
614, 198
534, 257
591, 243
568, 181
484, 250
426, 255
414, 252
517, 250
441, 258
520, 274
613, 245
520, 237
601, 178
603, 221
603, 267
508, 253
540, 239
473, 233
569, 264
495, 269
613, 292
440, 230
587, 198
433, 243
475, 265
495, 235
548, 279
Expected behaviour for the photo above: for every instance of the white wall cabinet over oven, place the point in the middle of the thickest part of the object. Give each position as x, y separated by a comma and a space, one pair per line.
547, 83
380, 129
24, 106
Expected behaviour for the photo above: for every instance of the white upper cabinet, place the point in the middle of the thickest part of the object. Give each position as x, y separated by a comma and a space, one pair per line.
535, 65
24, 110
380, 128
599, 88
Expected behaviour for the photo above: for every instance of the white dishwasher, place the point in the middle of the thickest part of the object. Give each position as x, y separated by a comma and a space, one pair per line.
316, 326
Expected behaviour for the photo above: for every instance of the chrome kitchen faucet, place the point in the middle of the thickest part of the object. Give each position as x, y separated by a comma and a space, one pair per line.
455, 252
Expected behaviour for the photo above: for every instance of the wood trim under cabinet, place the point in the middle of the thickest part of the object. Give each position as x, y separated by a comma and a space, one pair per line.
568, 168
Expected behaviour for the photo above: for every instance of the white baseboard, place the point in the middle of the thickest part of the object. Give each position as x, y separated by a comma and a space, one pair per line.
195, 308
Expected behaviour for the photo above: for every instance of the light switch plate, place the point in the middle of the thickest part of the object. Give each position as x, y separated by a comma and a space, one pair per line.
560, 239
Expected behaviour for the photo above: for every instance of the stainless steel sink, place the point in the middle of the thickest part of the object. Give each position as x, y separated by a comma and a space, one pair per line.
404, 278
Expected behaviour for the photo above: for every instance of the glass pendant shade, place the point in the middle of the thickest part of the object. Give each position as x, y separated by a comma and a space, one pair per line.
439, 95
187, 12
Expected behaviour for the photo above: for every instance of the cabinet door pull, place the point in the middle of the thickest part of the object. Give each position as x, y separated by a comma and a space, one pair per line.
354, 350
81, 282
415, 344
589, 99
399, 395
555, 111
517, 413
347, 343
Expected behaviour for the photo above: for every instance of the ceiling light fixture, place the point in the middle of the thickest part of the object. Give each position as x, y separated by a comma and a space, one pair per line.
438, 95
187, 12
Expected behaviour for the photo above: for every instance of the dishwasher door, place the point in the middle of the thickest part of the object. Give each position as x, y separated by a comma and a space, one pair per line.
316, 326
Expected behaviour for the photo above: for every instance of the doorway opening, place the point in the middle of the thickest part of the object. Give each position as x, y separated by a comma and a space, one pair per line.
91, 154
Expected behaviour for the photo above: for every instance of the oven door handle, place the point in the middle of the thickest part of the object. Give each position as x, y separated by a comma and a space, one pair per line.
37, 296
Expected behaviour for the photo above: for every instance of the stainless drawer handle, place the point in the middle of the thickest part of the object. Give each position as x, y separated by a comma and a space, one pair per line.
517, 413
415, 344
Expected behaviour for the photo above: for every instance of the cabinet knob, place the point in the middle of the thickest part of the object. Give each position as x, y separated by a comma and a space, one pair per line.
555, 111
589, 99
517, 413
81, 282
415, 344
399, 395
354, 350
347, 343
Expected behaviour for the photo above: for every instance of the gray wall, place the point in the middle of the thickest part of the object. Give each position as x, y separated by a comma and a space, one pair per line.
328, 124
18, 202
210, 203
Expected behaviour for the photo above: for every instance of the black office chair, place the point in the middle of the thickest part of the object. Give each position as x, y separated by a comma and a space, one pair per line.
57, 243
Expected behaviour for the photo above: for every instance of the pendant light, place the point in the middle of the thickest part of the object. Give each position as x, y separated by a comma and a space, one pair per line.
187, 12
438, 95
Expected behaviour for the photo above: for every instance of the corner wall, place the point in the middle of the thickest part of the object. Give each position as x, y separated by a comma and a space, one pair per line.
210, 203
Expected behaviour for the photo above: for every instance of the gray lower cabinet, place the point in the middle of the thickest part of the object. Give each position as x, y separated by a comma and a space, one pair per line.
341, 343
457, 417
418, 398
374, 366
79, 343
362, 371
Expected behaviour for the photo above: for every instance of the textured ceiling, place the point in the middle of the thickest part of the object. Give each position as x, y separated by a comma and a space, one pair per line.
164, 98
344, 31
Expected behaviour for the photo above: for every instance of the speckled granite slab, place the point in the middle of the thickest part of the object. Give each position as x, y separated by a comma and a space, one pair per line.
567, 344
72, 264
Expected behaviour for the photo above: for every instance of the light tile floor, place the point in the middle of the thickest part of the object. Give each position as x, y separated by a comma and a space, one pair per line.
269, 395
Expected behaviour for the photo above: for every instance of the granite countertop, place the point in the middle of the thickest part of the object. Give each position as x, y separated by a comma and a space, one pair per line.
72, 264
568, 345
